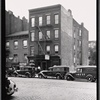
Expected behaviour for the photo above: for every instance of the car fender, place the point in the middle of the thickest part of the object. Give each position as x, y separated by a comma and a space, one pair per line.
69, 74
58, 74
89, 75
41, 74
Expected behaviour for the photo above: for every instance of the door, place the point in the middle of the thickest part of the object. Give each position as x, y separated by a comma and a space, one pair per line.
44, 65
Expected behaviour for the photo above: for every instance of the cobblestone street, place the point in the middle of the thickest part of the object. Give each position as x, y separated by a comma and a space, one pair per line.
53, 89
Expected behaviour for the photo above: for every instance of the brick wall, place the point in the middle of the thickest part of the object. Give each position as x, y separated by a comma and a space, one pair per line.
15, 24
66, 37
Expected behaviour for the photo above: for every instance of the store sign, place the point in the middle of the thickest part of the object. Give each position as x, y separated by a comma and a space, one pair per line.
47, 57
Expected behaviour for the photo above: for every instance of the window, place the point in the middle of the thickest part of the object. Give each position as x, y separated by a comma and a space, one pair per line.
74, 47
80, 32
79, 43
74, 59
40, 36
32, 36
56, 49
32, 50
48, 19
32, 22
7, 44
56, 19
40, 21
56, 32
25, 43
48, 49
16, 44
48, 34
15, 59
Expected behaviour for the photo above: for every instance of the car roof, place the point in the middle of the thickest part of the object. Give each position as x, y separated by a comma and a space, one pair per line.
55, 66
86, 66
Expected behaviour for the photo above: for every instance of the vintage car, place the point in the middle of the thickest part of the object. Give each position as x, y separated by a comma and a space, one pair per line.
83, 72
10, 86
57, 72
26, 71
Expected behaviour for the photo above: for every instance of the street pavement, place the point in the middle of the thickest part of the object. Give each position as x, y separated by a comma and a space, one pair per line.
53, 89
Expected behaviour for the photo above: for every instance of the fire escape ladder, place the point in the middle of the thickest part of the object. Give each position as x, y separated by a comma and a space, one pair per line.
43, 37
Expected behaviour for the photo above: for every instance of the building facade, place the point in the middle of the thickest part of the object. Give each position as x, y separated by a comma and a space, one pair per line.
17, 37
55, 38
17, 44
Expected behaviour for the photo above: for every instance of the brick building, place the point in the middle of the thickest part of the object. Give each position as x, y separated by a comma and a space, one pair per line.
55, 38
15, 24
17, 37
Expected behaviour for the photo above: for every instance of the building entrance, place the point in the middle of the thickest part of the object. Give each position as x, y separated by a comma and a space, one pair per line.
44, 65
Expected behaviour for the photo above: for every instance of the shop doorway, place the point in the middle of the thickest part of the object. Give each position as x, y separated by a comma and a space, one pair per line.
44, 65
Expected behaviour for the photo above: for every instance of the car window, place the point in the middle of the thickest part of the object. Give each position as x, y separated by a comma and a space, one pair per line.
79, 70
58, 69
89, 69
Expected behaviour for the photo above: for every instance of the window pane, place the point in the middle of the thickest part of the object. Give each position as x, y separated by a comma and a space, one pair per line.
48, 48
40, 21
40, 35
15, 44
7, 44
56, 34
25, 43
32, 22
56, 48
79, 32
56, 19
48, 34
48, 19
32, 36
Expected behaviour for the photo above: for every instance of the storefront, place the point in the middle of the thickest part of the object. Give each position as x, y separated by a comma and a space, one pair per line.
44, 61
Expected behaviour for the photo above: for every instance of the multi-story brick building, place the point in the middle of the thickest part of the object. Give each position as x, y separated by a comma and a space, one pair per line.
55, 38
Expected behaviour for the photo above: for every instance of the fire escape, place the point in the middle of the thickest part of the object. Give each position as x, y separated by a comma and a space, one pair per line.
45, 37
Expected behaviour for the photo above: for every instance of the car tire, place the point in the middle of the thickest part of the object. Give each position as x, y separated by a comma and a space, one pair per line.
27, 75
90, 78
40, 76
58, 77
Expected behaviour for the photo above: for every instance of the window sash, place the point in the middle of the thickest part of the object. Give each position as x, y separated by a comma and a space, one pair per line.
32, 22
15, 44
40, 35
48, 19
56, 48
48, 34
56, 19
56, 33
40, 21
47, 48
32, 36
7, 44
24, 43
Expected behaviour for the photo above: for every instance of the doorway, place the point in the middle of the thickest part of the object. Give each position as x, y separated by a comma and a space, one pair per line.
44, 65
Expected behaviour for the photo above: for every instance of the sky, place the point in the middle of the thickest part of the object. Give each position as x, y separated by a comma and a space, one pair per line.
82, 10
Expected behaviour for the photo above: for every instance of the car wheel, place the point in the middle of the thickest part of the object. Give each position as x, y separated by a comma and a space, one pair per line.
27, 75
58, 77
90, 79
68, 78
40, 76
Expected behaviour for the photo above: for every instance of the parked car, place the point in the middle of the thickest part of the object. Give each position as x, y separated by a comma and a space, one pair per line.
54, 72
10, 86
26, 71
83, 72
